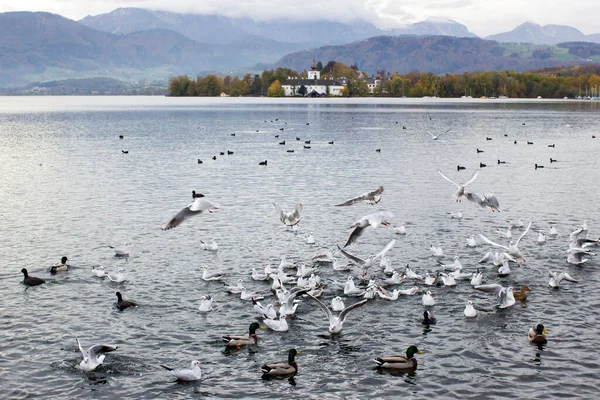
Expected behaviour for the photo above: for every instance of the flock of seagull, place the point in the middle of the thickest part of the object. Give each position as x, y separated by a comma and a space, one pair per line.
289, 288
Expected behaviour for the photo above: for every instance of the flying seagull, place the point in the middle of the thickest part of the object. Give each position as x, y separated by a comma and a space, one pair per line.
372, 220
461, 188
438, 136
200, 205
291, 218
373, 197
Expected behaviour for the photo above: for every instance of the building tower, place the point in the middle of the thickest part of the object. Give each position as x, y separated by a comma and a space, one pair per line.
314, 73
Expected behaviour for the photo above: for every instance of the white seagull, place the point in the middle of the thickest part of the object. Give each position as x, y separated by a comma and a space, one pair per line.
206, 303
336, 322
506, 234
208, 275
461, 188
400, 230
372, 220
428, 299
471, 242
93, 356
267, 311
197, 207
277, 324
310, 239
118, 277
556, 278
192, 374
434, 137
505, 295
337, 304
437, 251
496, 258
541, 239
289, 219
477, 278
365, 264
98, 271
512, 249
484, 200
373, 197
470, 311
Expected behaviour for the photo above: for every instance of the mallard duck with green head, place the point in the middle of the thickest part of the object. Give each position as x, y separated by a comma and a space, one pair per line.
400, 362
537, 334
237, 341
281, 368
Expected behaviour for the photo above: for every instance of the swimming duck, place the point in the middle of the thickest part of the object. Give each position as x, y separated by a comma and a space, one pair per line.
31, 280
537, 334
522, 294
428, 318
63, 266
237, 341
186, 375
282, 367
400, 362
123, 304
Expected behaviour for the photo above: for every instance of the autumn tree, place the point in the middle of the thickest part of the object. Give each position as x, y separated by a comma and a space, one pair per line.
275, 90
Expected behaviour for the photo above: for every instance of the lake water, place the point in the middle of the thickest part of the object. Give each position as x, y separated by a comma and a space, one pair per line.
67, 189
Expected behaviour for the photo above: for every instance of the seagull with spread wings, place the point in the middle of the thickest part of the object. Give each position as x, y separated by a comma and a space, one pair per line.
289, 219
336, 322
373, 197
367, 263
372, 220
505, 295
434, 137
512, 248
199, 206
461, 188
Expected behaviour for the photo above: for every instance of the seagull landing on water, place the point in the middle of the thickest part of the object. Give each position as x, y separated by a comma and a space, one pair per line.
366, 264
372, 220
373, 197
512, 248
93, 356
461, 188
484, 200
336, 322
434, 137
289, 219
556, 278
505, 295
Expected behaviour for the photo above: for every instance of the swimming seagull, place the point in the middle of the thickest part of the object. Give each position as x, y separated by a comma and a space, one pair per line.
512, 249
372, 220
208, 275
506, 235
264, 311
336, 322
118, 277
310, 239
291, 218
200, 205
337, 304
496, 258
461, 188
470, 311
373, 197
428, 299
365, 264
437, 251
556, 278
186, 375
434, 137
471, 242
541, 237
400, 230
93, 356
277, 324
98, 271
206, 303
477, 278
505, 295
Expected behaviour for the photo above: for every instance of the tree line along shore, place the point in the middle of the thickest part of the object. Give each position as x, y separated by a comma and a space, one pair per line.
581, 81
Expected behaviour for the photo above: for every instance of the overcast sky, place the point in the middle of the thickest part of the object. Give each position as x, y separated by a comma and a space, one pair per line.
483, 17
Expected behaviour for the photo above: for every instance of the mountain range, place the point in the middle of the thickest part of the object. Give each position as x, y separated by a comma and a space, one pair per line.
136, 44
